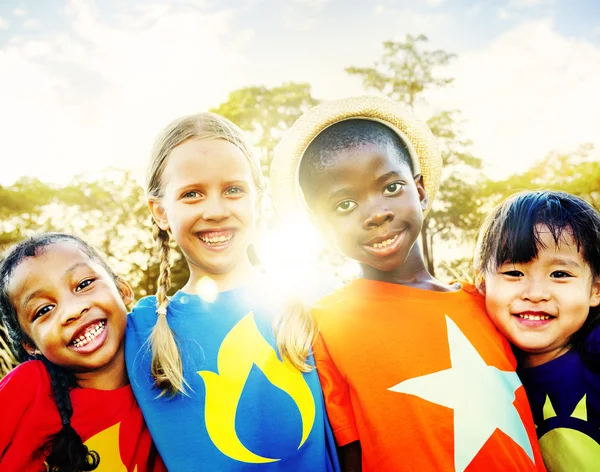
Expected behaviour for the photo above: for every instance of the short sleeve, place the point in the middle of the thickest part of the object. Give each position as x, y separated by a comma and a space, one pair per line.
17, 392
337, 396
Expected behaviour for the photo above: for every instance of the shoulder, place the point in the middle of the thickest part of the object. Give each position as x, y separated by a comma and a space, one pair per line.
144, 310
25, 379
592, 343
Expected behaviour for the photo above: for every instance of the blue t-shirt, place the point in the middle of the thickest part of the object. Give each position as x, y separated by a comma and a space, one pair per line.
246, 409
565, 401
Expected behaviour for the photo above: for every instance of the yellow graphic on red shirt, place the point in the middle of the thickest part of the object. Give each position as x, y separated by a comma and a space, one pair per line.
564, 442
106, 444
242, 348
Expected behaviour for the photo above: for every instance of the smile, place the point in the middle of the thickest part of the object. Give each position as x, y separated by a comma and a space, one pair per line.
89, 334
216, 239
526, 316
386, 245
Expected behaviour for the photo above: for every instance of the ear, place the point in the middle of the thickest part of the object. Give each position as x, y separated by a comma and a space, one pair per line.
30, 348
158, 213
595, 295
126, 291
421, 190
480, 283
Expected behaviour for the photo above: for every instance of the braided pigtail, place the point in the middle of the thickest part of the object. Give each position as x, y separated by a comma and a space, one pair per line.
167, 368
67, 451
295, 332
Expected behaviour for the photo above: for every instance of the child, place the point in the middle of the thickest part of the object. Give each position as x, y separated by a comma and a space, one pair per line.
69, 407
415, 376
218, 390
539, 260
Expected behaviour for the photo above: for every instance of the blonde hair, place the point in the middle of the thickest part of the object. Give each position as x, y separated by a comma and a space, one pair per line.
295, 330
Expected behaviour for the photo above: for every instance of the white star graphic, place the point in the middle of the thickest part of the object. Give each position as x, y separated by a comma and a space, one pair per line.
480, 395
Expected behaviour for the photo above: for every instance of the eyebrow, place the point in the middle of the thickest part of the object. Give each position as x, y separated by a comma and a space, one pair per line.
563, 262
381, 179
69, 271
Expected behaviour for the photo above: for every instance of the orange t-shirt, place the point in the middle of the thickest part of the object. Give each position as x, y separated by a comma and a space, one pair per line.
424, 381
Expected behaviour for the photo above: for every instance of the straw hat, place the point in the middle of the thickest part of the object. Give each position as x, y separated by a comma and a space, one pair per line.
285, 187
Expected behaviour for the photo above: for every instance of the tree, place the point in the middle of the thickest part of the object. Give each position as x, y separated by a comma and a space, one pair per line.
267, 112
404, 73
574, 172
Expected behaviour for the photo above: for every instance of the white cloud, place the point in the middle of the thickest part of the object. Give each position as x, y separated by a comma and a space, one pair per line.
96, 96
435, 2
19, 12
3, 23
31, 24
530, 92
413, 22
302, 15
379, 9
527, 3
503, 14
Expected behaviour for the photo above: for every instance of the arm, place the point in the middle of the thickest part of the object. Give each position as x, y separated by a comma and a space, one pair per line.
338, 403
17, 390
350, 457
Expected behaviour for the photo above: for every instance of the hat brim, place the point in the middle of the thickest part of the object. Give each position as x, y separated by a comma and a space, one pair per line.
285, 186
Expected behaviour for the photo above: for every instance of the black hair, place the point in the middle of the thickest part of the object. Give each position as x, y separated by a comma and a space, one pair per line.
63, 451
342, 136
511, 234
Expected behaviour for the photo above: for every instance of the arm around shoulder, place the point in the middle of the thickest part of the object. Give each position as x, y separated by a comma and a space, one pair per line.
17, 392
337, 395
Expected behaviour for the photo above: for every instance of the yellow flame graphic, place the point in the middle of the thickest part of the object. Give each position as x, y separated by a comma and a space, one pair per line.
243, 347
106, 444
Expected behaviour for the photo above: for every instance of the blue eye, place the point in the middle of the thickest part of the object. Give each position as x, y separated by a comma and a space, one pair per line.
345, 206
191, 194
392, 189
234, 191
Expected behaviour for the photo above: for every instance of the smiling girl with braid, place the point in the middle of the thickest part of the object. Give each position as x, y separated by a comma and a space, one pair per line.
219, 388
69, 407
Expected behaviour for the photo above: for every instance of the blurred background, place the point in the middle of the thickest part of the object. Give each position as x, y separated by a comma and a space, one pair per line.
509, 87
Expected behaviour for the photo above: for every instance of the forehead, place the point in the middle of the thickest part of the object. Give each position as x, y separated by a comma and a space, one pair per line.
360, 165
47, 267
210, 160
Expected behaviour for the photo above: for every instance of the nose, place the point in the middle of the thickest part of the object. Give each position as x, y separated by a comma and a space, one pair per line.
74, 309
215, 209
535, 290
378, 214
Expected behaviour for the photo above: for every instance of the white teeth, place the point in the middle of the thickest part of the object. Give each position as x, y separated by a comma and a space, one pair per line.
89, 334
217, 239
385, 243
534, 317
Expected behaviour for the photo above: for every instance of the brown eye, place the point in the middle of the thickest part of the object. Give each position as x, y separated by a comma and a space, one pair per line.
392, 189
83, 284
345, 206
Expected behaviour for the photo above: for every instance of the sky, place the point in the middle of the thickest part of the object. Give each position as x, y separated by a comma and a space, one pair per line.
87, 85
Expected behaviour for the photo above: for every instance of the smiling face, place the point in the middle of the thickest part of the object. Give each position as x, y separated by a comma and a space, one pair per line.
370, 206
71, 309
209, 204
540, 304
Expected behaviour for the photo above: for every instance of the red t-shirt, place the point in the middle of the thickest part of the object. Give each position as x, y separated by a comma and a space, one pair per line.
424, 381
108, 421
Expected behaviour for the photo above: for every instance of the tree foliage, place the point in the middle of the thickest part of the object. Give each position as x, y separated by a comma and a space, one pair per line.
267, 112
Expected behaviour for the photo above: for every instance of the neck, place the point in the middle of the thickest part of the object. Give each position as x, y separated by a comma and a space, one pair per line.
412, 273
110, 377
531, 359
240, 275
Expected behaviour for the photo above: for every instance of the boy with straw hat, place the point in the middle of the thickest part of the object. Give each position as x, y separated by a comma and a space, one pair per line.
415, 376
